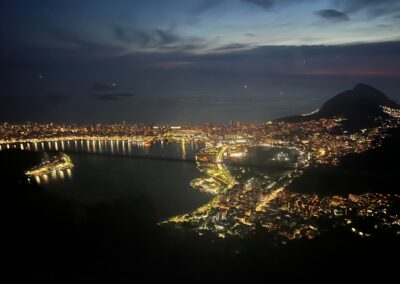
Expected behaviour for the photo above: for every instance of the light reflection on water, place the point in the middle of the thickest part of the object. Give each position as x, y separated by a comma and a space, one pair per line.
103, 173
97, 178
159, 149
53, 176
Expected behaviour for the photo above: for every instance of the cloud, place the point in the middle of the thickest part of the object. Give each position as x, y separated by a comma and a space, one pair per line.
348, 72
285, 62
266, 4
333, 15
158, 39
131, 35
233, 47
54, 98
270, 4
359, 4
153, 38
70, 40
166, 37
250, 34
102, 87
206, 5
112, 96
374, 8
265, 69
169, 65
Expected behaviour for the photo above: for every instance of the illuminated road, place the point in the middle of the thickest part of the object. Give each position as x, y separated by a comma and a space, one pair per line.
264, 200
228, 179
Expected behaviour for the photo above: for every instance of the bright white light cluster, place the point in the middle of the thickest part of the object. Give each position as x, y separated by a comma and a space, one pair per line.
310, 113
393, 112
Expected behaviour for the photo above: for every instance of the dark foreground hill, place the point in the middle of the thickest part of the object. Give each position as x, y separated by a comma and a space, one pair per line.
360, 106
46, 239
375, 170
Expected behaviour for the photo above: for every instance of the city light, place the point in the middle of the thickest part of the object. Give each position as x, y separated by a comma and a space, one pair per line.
237, 207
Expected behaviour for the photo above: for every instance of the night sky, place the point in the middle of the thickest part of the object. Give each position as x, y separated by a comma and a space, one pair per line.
181, 61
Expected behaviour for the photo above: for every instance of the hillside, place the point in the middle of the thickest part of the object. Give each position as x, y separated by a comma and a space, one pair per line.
360, 106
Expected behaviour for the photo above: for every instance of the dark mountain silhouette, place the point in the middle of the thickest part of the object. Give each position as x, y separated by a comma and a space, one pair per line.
360, 106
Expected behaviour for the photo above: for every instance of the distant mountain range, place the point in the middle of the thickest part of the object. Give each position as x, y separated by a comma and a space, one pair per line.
360, 106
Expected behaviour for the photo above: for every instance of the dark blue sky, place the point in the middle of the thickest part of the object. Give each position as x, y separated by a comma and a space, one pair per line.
182, 61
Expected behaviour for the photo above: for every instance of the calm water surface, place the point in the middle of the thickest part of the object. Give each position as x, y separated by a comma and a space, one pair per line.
111, 171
